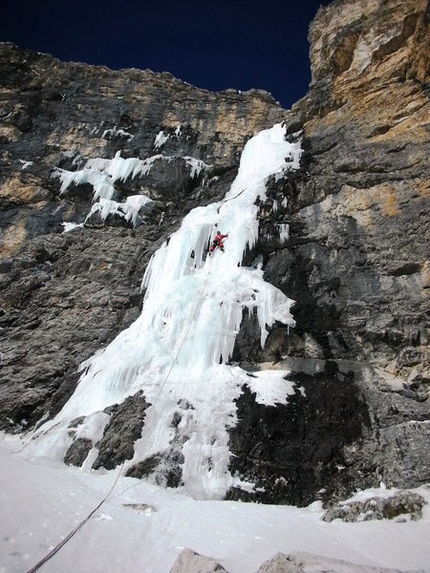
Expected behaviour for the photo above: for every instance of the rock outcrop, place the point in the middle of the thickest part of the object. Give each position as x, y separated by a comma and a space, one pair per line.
189, 561
356, 260
401, 505
300, 562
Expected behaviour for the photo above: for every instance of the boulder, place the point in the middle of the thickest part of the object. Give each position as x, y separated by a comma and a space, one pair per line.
189, 561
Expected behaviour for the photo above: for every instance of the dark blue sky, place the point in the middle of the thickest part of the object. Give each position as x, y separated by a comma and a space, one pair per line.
214, 45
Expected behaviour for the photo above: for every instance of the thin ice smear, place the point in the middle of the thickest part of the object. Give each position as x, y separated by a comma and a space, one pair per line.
178, 350
102, 174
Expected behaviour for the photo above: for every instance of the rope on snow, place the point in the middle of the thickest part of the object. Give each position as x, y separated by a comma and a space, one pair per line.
76, 529
88, 517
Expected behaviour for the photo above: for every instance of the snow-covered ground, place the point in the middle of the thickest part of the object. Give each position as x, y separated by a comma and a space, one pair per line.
41, 504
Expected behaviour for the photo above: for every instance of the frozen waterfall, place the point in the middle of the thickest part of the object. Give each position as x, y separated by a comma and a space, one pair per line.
177, 351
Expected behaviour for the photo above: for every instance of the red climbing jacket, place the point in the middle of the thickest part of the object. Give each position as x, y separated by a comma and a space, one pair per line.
217, 241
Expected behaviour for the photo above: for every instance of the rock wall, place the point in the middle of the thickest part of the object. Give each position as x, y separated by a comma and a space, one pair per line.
357, 263
356, 260
64, 296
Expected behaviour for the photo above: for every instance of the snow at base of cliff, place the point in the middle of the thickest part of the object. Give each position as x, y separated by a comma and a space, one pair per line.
143, 528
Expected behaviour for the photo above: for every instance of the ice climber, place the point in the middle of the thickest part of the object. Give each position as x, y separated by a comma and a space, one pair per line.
218, 242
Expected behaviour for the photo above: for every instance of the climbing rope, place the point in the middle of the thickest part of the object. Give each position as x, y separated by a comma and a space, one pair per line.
76, 529
88, 517
224, 201
107, 496
57, 548
230, 199
193, 312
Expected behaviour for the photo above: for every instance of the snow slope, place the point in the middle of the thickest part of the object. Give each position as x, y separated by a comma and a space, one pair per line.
40, 505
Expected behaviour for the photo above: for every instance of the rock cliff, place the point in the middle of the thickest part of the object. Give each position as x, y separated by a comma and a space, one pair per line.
65, 295
356, 260
356, 263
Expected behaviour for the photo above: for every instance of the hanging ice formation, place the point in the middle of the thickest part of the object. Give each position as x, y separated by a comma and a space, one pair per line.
178, 350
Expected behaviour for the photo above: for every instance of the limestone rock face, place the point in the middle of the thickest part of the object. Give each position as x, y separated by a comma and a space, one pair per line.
356, 259
356, 263
64, 296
